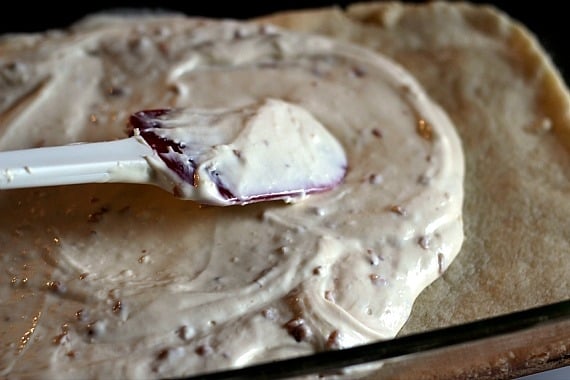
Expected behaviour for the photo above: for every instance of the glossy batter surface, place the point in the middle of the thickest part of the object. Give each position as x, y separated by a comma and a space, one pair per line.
106, 281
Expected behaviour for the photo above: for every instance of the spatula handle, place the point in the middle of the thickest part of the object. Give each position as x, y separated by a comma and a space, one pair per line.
113, 161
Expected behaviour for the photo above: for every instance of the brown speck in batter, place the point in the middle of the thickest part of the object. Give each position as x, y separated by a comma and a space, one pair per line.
80, 315
204, 349
269, 313
425, 130
423, 242
56, 287
117, 306
397, 209
440, 263
96, 216
333, 340
377, 133
358, 72
298, 329
329, 295
376, 279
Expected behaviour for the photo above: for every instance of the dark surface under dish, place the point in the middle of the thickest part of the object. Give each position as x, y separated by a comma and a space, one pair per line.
546, 19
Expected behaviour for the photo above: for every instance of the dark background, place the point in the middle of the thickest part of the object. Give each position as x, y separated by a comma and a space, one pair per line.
545, 18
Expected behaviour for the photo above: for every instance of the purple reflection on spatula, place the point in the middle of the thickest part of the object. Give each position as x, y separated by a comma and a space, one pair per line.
265, 151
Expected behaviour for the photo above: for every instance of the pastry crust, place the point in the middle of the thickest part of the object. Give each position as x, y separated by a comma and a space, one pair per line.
512, 110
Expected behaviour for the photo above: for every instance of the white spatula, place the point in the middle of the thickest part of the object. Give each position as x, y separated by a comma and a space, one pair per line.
264, 151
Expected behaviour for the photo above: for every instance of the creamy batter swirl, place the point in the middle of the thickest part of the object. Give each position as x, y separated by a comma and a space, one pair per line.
124, 281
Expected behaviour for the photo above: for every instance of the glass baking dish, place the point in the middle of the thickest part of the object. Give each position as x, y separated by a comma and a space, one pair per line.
501, 347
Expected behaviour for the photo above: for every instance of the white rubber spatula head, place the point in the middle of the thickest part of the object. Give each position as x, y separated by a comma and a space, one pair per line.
264, 151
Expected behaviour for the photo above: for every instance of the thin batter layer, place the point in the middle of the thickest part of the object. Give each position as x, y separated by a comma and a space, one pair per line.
125, 281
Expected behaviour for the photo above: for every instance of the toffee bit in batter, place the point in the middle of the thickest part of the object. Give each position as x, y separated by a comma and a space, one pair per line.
269, 313
283, 250
329, 296
117, 306
56, 287
195, 179
405, 89
397, 209
358, 72
298, 329
317, 271
375, 179
424, 241
95, 329
259, 279
376, 279
423, 179
377, 133
28, 334
63, 337
163, 354
60, 339
440, 263
334, 340
116, 91
204, 349
373, 258
16, 282
186, 332
83, 275
80, 315
96, 216
425, 130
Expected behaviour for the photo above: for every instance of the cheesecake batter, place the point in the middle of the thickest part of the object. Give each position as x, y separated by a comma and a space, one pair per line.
124, 281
